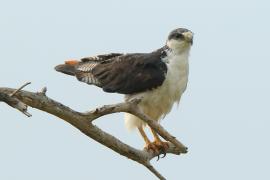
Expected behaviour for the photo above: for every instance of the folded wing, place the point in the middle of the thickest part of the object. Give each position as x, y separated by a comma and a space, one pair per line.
121, 73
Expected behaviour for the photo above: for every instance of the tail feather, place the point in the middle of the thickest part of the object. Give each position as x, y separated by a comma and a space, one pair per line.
71, 62
67, 68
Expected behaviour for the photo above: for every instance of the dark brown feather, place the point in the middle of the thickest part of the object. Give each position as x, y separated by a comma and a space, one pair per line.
125, 74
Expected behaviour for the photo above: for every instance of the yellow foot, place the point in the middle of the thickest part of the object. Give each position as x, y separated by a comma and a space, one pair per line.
158, 147
162, 146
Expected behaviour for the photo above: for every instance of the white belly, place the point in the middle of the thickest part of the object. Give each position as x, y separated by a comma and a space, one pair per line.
158, 102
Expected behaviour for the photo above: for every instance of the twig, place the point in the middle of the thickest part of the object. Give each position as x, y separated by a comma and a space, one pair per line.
20, 88
154, 171
14, 102
43, 91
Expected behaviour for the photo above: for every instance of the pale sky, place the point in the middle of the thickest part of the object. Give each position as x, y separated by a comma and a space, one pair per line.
223, 116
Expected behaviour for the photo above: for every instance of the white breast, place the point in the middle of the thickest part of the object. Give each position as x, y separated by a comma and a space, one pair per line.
158, 102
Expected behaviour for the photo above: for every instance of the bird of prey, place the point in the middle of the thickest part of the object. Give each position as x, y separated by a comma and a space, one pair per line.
158, 78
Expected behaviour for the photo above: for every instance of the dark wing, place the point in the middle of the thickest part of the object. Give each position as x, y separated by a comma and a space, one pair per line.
125, 74
101, 57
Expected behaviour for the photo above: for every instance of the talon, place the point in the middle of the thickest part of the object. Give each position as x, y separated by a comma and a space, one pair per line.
157, 157
164, 155
152, 147
157, 147
162, 146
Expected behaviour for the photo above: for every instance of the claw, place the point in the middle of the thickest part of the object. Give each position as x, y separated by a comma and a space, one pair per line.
157, 157
164, 155
152, 147
158, 147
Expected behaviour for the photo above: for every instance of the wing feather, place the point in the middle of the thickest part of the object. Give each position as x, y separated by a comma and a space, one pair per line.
125, 74
101, 57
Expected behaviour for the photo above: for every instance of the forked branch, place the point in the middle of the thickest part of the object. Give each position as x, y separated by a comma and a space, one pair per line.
83, 121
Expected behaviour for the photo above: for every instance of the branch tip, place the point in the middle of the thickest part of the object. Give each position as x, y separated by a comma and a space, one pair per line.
43, 91
20, 88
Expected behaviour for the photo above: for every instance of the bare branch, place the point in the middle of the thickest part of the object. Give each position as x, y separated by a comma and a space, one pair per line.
83, 122
15, 103
154, 171
131, 107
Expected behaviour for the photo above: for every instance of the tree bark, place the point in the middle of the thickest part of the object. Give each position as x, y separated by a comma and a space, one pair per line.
20, 99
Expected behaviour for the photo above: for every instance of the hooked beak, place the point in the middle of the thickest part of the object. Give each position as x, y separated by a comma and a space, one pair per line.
188, 37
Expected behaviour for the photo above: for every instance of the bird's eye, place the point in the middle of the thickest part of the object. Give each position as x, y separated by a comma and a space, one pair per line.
179, 36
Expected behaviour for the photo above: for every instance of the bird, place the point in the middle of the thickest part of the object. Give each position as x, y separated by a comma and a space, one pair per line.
158, 78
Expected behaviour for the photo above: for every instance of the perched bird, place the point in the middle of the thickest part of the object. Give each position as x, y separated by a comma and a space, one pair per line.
159, 78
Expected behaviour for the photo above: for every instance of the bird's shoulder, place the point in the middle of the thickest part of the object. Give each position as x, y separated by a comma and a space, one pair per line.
153, 56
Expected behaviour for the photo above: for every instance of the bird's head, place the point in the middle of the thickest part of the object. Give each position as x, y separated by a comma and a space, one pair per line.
180, 40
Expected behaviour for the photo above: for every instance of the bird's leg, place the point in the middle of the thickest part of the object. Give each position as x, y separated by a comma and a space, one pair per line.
161, 145
148, 145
